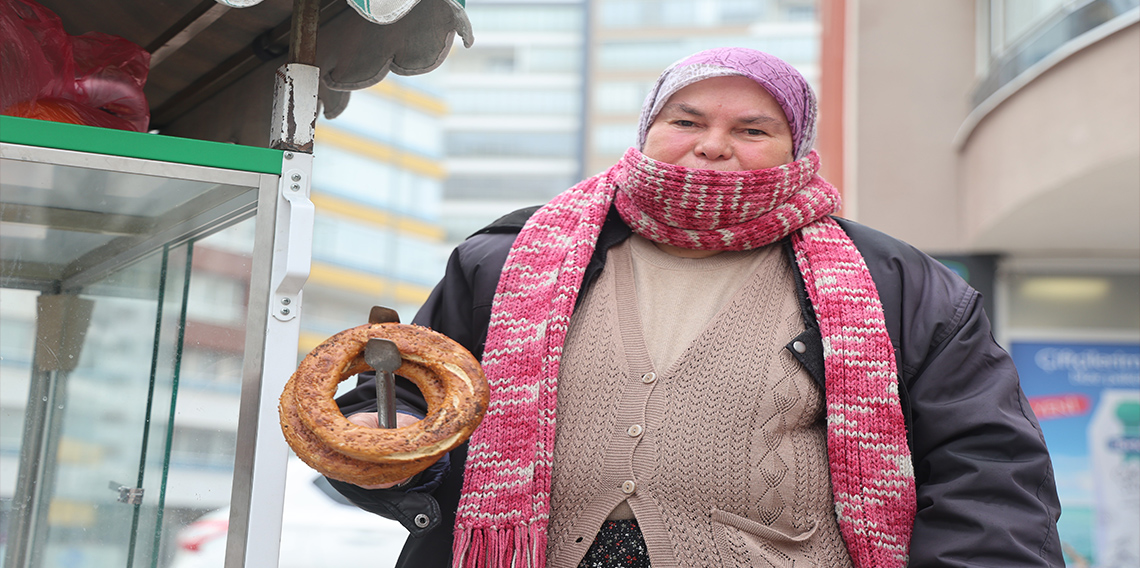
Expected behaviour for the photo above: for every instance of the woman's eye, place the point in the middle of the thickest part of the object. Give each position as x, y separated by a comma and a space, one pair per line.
754, 132
685, 123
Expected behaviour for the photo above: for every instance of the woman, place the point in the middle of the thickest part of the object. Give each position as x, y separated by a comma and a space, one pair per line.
693, 364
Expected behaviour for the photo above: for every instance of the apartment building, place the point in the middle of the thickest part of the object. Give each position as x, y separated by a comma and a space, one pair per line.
1003, 137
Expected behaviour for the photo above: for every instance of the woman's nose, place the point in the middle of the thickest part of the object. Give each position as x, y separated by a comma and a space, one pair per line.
713, 146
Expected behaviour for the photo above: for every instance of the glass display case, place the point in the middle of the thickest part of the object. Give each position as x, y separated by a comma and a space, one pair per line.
149, 292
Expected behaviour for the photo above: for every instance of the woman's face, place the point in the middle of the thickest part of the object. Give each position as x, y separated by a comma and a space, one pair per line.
723, 123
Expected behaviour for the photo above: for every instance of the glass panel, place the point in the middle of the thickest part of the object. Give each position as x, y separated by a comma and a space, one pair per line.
540, 144
1074, 302
203, 441
1019, 16
1025, 33
59, 220
516, 101
546, 18
99, 269
614, 138
620, 97
798, 46
93, 371
618, 14
17, 341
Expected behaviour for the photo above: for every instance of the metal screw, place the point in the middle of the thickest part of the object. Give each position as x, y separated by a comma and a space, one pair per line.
296, 177
285, 301
284, 311
288, 155
295, 187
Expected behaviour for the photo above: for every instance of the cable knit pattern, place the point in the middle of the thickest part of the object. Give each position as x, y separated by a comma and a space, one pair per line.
505, 505
707, 210
722, 409
871, 470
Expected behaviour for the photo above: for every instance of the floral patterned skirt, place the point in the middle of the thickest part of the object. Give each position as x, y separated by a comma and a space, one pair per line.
619, 545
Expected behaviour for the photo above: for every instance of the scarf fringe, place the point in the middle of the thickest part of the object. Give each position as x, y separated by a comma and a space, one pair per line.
506, 547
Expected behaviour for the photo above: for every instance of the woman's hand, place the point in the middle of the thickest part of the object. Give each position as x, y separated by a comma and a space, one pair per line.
372, 420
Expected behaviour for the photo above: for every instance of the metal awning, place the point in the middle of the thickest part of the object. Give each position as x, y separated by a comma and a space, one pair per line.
213, 64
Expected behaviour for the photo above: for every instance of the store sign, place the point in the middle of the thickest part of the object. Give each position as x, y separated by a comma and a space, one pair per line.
1087, 398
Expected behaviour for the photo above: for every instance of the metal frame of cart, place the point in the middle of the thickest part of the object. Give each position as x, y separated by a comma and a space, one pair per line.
273, 187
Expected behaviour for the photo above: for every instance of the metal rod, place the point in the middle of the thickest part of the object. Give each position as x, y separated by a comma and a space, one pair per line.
184, 30
303, 33
386, 399
384, 356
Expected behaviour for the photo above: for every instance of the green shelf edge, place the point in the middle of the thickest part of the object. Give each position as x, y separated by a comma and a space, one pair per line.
62, 136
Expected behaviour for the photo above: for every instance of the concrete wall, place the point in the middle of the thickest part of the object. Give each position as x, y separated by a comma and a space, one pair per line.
1051, 170
1056, 166
909, 81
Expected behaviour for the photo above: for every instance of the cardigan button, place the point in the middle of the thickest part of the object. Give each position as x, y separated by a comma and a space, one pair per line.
799, 347
649, 377
634, 431
628, 487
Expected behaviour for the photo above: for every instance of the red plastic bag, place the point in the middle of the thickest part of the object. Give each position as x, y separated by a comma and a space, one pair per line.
94, 79
63, 110
110, 74
37, 59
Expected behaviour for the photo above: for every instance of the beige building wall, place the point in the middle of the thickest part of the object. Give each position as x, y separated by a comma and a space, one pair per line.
1050, 166
1055, 168
910, 69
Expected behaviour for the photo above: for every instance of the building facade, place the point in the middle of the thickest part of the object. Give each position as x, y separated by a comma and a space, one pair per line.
1003, 137
378, 180
512, 137
632, 41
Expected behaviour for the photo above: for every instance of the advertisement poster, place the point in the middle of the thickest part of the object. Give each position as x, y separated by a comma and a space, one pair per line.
1087, 398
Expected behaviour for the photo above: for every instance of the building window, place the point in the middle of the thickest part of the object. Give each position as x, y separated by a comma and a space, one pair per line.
543, 59
614, 138
203, 446
381, 185
1093, 302
798, 45
625, 14
419, 261
338, 241
485, 60
532, 188
383, 120
516, 101
354, 177
546, 18
216, 299
526, 144
620, 97
1015, 36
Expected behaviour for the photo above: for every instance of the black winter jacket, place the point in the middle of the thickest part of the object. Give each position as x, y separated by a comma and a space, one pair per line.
985, 487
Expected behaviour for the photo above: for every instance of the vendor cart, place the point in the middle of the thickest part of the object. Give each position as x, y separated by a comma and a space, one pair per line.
102, 260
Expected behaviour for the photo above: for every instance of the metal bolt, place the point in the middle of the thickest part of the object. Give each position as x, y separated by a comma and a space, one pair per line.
285, 301
295, 187
288, 155
284, 311
296, 177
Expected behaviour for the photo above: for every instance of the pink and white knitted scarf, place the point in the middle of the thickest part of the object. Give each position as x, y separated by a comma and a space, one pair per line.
505, 505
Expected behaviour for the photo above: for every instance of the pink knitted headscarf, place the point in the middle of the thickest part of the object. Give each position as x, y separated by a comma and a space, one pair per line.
781, 80
505, 505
